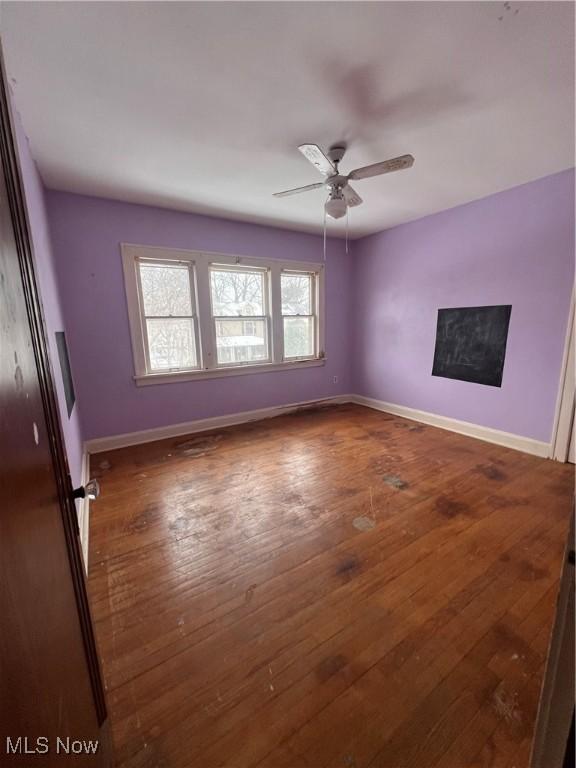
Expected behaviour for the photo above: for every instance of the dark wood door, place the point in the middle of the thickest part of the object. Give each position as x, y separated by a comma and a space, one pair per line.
553, 745
51, 697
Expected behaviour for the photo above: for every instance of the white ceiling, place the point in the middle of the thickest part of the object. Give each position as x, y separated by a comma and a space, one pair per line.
200, 106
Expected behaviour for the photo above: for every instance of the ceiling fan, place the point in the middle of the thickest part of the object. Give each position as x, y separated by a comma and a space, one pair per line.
342, 195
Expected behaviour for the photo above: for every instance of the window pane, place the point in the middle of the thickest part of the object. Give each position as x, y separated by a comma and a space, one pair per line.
298, 337
237, 293
241, 341
296, 294
165, 289
171, 344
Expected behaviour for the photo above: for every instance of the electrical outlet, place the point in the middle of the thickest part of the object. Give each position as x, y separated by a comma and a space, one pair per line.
335, 379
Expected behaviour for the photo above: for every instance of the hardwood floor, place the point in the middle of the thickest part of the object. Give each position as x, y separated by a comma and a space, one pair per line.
336, 587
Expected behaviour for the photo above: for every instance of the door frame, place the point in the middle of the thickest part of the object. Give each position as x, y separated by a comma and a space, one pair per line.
21, 225
564, 415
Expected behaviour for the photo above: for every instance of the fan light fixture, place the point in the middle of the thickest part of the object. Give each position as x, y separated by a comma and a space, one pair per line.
336, 206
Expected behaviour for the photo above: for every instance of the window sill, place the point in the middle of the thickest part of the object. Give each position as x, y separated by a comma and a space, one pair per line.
150, 379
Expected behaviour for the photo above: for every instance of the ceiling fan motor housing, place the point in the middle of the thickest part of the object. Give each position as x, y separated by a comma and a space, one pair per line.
336, 182
336, 153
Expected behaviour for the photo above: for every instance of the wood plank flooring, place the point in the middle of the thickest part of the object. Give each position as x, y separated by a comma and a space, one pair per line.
332, 588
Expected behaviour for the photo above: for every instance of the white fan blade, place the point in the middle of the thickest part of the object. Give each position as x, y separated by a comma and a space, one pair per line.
313, 153
297, 190
387, 166
351, 196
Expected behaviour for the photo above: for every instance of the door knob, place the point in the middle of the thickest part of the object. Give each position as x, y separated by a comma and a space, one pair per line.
89, 491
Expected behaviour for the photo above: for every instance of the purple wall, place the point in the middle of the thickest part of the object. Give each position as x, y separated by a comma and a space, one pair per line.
86, 236
515, 247
35, 204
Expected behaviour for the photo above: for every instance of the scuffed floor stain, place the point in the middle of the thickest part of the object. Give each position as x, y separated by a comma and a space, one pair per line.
293, 499
180, 525
506, 705
142, 519
345, 492
530, 572
490, 472
348, 566
395, 482
560, 489
379, 434
198, 446
503, 502
363, 523
450, 507
330, 666
249, 594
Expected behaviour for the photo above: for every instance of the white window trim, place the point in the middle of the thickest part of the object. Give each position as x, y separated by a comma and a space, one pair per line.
143, 317
266, 317
314, 304
206, 349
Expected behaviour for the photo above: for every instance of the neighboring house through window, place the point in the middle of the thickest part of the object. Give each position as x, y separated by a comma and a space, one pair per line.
196, 314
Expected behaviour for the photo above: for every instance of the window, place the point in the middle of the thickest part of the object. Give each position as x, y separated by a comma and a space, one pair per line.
199, 314
169, 324
298, 315
238, 293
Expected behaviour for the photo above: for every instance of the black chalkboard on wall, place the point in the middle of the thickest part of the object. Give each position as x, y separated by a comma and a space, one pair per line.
471, 344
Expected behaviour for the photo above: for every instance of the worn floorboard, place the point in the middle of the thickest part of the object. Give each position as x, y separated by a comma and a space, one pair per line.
331, 588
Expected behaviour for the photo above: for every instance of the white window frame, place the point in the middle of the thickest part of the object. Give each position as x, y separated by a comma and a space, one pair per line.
199, 263
266, 317
143, 317
314, 302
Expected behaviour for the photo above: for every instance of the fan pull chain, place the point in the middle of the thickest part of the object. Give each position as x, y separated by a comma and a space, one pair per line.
347, 211
324, 234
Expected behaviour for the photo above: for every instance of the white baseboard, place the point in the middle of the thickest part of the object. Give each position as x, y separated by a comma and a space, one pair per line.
84, 510
100, 444
507, 439
496, 436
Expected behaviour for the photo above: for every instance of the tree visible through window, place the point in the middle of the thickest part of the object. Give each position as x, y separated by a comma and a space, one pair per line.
238, 294
169, 317
298, 315
204, 314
